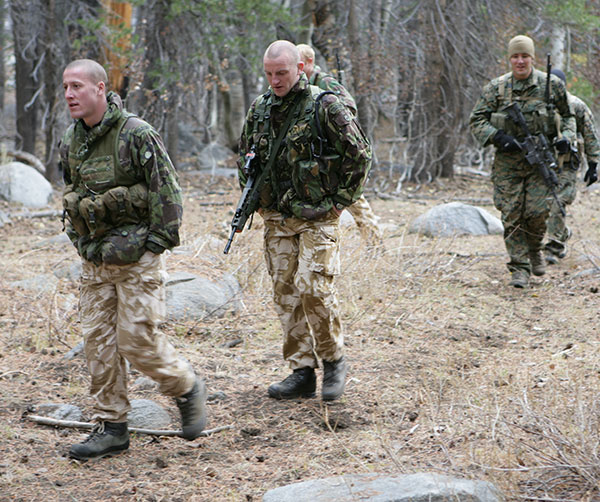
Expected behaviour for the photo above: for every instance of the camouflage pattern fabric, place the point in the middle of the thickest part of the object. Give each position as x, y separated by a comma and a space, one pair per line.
90, 169
327, 82
121, 307
558, 231
300, 184
361, 210
586, 129
520, 193
302, 258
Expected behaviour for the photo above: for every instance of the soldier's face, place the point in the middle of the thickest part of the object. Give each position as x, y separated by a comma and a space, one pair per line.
86, 100
522, 65
282, 73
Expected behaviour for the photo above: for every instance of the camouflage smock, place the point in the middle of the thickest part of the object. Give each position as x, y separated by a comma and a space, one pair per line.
586, 129
143, 172
488, 116
326, 82
299, 184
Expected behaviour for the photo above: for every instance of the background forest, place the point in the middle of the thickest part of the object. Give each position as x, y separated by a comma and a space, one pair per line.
415, 67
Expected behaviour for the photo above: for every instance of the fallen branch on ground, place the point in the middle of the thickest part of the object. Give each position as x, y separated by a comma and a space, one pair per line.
28, 158
87, 425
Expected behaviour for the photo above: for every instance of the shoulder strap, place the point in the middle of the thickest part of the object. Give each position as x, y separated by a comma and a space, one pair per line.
321, 139
262, 112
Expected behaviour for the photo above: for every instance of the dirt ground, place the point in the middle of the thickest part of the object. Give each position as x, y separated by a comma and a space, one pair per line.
452, 371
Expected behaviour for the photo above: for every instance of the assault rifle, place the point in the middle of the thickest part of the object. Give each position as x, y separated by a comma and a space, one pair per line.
537, 152
248, 202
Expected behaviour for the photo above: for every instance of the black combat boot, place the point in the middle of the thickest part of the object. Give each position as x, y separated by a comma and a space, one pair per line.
192, 407
301, 383
106, 438
334, 379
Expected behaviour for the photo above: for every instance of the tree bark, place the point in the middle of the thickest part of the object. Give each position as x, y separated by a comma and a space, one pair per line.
24, 24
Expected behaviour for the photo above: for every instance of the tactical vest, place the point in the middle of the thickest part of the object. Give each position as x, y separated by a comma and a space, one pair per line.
305, 170
539, 119
104, 193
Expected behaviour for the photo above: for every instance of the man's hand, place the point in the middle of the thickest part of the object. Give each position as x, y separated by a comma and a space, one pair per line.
562, 145
505, 142
591, 175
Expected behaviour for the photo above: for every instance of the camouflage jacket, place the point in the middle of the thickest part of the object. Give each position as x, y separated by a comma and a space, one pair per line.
586, 129
488, 116
305, 180
122, 193
326, 82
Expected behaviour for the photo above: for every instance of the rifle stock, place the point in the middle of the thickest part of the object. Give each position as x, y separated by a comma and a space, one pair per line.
537, 152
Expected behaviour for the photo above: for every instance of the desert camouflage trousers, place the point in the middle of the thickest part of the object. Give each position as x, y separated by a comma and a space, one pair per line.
524, 200
120, 308
366, 221
303, 257
558, 231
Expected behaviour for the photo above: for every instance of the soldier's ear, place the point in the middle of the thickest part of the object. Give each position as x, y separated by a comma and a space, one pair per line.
300, 66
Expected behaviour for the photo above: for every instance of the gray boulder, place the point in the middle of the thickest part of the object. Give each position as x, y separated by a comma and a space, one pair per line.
59, 411
22, 183
420, 487
456, 218
146, 414
193, 297
44, 283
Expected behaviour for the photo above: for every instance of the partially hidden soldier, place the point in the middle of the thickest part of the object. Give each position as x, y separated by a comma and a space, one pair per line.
361, 210
520, 192
311, 179
558, 232
122, 210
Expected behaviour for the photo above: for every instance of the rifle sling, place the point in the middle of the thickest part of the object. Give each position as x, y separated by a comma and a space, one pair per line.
275, 150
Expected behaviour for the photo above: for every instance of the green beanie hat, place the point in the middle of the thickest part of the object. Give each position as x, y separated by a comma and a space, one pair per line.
521, 45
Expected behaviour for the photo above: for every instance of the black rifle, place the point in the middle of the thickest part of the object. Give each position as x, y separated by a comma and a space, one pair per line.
250, 197
537, 152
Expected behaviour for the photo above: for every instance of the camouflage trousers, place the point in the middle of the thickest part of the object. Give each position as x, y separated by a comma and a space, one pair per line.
120, 308
558, 231
303, 257
524, 200
366, 221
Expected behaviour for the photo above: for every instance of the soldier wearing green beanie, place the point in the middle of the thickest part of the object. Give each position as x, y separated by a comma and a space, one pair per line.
520, 192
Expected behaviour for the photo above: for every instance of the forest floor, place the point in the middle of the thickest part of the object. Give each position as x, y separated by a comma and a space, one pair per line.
451, 370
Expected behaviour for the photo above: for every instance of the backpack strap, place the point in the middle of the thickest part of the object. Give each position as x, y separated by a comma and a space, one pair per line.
319, 136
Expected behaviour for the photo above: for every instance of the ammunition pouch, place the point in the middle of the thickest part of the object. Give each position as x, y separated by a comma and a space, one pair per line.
71, 200
93, 212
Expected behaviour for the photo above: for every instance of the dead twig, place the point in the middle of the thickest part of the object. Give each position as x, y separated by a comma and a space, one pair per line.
87, 425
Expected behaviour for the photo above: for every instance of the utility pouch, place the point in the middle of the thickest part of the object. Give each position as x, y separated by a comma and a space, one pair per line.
93, 211
71, 201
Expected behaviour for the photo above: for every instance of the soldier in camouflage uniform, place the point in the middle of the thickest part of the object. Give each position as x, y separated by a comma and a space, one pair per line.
309, 183
123, 209
587, 139
520, 192
361, 210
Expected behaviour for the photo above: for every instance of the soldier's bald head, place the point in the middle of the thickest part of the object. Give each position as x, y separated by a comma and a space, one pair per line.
92, 69
283, 48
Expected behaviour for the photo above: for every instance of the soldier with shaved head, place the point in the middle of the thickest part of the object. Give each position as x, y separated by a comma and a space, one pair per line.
316, 159
122, 210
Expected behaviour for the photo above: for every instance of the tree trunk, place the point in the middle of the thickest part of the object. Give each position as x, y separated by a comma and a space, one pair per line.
24, 25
